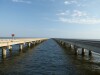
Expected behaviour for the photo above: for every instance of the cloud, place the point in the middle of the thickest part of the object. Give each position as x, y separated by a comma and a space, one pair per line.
77, 13
80, 21
75, 2
78, 17
74, 13
66, 2
63, 13
22, 1
70, 2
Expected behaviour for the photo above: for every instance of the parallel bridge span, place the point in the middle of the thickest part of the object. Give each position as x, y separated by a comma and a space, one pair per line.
91, 45
7, 43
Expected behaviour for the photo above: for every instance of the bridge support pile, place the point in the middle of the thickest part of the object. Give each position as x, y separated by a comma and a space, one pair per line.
72, 46
21, 46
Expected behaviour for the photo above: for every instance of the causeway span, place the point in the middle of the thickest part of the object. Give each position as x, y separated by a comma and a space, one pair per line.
90, 45
7, 43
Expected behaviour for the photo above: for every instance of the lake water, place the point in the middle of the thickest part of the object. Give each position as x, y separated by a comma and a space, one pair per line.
48, 58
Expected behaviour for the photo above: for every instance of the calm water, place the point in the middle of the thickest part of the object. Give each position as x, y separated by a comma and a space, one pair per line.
48, 58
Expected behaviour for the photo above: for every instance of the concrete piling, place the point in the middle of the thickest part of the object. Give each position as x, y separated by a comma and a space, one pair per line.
90, 53
4, 52
10, 47
29, 44
83, 51
21, 46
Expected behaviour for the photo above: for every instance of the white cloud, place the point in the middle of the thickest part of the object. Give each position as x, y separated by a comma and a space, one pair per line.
66, 2
80, 21
74, 13
77, 16
70, 2
75, 2
63, 13
22, 1
77, 13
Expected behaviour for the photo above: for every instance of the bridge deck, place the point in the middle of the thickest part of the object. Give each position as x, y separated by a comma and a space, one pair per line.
7, 42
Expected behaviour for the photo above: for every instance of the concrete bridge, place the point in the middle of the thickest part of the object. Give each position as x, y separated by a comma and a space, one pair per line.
8, 43
90, 45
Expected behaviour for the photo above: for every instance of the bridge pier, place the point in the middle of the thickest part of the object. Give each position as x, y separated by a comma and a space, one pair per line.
70, 46
33, 43
90, 53
29, 44
4, 52
10, 47
76, 50
21, 46
7, 44
64, 44
61, 43
39, 41
83, 51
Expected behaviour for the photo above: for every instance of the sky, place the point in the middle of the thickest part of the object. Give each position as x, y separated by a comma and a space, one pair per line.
50, 18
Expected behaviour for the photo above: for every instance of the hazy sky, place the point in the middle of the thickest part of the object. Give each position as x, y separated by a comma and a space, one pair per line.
50, 18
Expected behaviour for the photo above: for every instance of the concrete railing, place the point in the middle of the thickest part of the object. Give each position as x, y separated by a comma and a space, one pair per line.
7, 42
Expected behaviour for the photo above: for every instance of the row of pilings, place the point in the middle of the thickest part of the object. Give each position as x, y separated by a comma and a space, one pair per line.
73, 47
22, 46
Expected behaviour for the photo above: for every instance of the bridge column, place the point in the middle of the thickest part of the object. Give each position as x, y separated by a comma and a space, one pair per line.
76, 50
90, 52
4, 52
21, 46
29, 44
34, 42
39, 41
70, 46
83, 51
61, 43
64, 44
10, 48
